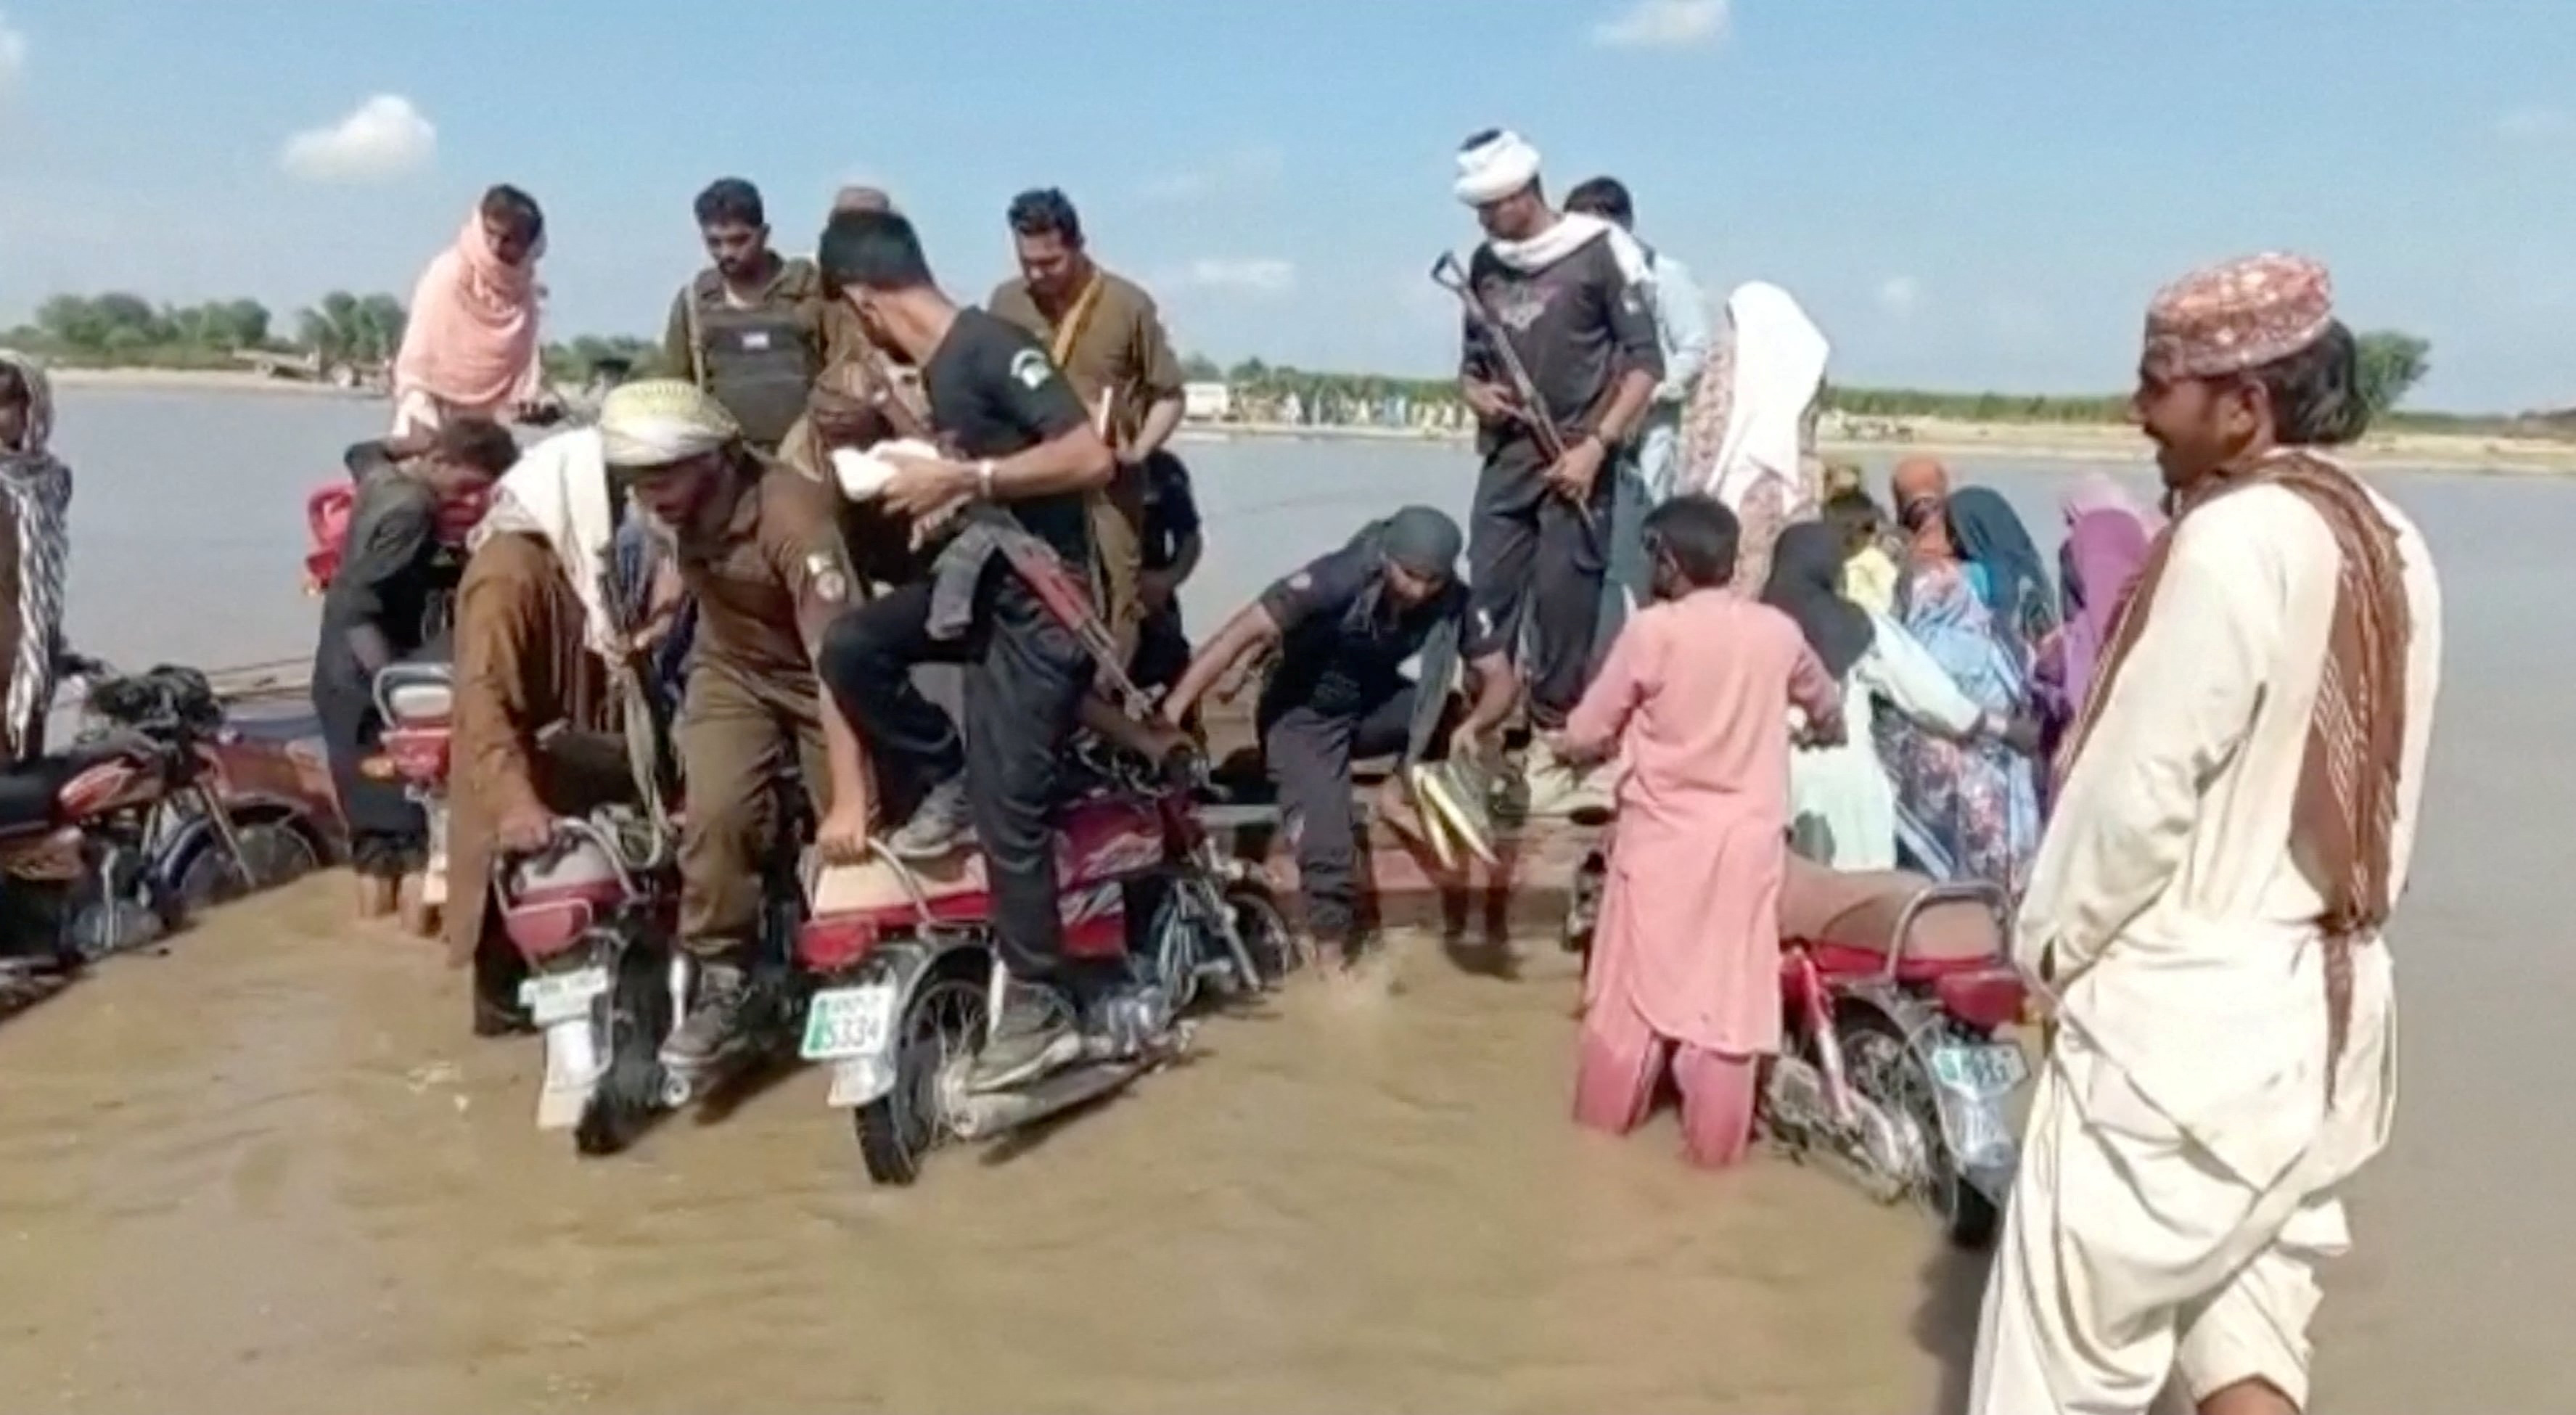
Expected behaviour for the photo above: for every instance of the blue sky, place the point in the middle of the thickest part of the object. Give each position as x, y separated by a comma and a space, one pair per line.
1966, 193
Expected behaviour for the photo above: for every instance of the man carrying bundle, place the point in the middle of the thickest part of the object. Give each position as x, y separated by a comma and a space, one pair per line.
1344, 626
1103, 332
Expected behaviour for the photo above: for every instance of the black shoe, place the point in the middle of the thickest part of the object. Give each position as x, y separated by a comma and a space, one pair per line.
714, 1023
940, 824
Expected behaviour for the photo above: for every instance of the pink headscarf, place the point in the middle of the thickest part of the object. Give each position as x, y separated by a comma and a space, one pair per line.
2104, 552
2099, 491
471, 338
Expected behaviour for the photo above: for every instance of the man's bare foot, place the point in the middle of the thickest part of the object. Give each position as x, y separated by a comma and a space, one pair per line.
411, 901
376, 897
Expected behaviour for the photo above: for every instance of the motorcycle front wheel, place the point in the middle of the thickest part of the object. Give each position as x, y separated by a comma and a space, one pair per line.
635, 1020
1893, 1073
1275, 948
273, 853
942, 1027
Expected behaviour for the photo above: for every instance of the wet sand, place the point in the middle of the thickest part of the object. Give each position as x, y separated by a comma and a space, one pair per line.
270, 1171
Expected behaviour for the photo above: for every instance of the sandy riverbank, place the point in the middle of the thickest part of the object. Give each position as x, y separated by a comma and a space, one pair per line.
190, 380
2055, 442
2070, 442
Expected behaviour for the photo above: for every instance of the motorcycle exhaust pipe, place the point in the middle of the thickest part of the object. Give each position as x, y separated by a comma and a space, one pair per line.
980, 1117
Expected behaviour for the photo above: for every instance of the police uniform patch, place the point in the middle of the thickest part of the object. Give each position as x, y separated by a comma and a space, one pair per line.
1031, 369
830, 585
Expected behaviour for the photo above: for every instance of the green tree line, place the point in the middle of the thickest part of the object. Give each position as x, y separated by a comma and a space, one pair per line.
2392, 363
359, 330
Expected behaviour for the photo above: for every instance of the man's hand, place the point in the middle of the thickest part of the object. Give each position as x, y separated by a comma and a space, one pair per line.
1576, 471
526, 829
842, 835
1468, 741
924, 486
1491, 401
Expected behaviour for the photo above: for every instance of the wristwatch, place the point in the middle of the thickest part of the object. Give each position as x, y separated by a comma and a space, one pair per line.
984, 479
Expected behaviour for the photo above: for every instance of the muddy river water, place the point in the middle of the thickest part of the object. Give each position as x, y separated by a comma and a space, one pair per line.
269, 1170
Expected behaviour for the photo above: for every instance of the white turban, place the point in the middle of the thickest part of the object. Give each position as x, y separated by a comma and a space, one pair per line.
654, 422
1495, 168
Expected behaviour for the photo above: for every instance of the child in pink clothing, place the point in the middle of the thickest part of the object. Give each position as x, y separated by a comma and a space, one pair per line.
1694, 698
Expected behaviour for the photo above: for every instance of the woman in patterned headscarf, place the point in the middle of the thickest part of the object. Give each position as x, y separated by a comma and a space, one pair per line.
35, 553
1749, 429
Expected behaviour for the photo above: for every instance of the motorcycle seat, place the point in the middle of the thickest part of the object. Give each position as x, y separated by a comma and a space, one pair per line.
276, 727
1848, 921
1100, 838
28, 791
31, 791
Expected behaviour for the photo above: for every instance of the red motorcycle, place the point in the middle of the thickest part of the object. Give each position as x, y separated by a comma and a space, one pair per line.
416, 702
1895, 989
107, 846
592, 915
910, 980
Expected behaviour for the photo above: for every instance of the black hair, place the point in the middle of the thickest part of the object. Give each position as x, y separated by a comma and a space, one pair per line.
1479, 138
1699, 535
1605, 197
13, 385
2316, 393
1857, 519
874, 250
479, 443
1046, 212
731, 201
507, 203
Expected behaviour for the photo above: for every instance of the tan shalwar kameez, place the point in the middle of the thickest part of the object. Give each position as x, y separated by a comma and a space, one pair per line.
2182, 1174
521, 669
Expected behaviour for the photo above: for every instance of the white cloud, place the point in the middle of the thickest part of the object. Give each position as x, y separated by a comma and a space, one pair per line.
1250, 277
1899, 294
2535, 124
1244, 170
13, 54
381, 138
1663, 24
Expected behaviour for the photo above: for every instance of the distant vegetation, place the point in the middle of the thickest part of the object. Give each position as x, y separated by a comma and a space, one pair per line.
362, 332
2392, 363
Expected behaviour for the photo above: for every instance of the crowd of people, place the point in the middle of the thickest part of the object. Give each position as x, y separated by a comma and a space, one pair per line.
2193, 748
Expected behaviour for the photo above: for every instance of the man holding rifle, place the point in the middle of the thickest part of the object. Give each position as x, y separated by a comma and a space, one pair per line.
1560, 361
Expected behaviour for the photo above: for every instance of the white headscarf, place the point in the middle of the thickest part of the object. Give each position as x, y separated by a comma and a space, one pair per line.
559, 493
39, 488
1779, 364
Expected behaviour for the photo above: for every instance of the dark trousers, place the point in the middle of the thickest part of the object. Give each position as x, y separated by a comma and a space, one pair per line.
1310, 755
388, 834
1025, 676
1536, 566
1162, 651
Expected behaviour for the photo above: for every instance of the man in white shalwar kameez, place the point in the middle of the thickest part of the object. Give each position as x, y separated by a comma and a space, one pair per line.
2209, 899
